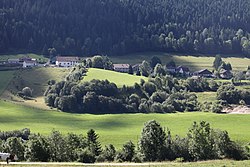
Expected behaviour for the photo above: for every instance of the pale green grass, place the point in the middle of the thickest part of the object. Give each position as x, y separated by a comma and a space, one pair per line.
5, 77
116, 128
40, 58
206, 96
193, 62
37, 78
118, 78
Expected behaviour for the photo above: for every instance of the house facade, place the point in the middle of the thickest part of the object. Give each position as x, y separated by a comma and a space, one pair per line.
13, 61
62, 61
171, 69
183, 70
204, 73
136, 67
226, 74
29, 63
121, 67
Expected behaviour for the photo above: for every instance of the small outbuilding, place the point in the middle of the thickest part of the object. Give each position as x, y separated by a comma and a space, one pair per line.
183, 70
225, 74
204, 73
29, 63
121, 67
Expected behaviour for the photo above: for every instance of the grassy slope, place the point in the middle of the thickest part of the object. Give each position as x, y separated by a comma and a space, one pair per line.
194, 62
36, 79
5, 78
115, 128
118, 78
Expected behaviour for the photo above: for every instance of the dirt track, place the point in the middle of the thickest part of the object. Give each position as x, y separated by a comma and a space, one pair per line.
37, 164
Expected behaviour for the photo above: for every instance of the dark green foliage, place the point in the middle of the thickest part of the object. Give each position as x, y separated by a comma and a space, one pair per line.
145, 69
153, 61
127, 153
206, 143
201, 142
153, 141
37, 149
130, 70
217, 62
58, 147
120, 27
14, 145
109, 153
24, 134
86, 156
93, 144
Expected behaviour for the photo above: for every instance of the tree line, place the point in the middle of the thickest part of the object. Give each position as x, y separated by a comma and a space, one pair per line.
160, 94
116, 27
155, 144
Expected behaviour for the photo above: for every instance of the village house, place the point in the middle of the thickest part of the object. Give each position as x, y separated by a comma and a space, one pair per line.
29, 63
204, 73
183, 70
171, 69
13, 61
225, 74
121, 67
63, 61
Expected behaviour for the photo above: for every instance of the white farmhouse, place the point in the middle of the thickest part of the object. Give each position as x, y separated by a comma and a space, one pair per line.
29, 63
121, 67
62, 61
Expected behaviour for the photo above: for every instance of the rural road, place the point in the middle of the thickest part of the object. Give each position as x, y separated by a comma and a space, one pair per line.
76, 164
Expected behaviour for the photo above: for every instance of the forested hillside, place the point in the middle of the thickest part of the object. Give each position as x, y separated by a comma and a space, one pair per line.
117, 27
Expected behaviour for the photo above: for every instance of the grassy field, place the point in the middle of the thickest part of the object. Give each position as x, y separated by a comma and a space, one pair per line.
206, 96
39, 58
193, 62
5, 78
116, 128
36, 79
118, 78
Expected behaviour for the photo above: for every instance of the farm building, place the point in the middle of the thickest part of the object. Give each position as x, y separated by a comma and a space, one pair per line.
204, 73
62, 61
121, 67
13, 61
29, 63
226, 74
183, 70
171, 69
136, 67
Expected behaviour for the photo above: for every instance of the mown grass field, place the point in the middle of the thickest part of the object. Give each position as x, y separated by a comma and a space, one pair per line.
116, 128
5, 78
193, 62
36, 79
39, 58
118, 78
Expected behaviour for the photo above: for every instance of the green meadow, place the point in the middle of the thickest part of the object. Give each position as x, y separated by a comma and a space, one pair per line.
5, 77
196, 62
118, 78
116, 128
112, 128
39, 58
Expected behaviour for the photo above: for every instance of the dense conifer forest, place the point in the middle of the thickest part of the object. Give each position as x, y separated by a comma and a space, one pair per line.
117, 27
